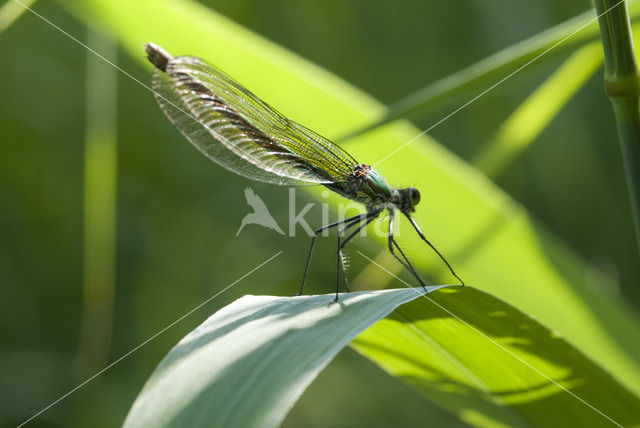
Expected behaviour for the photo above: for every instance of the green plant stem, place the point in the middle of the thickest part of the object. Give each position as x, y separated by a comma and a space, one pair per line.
622, 85
99, 207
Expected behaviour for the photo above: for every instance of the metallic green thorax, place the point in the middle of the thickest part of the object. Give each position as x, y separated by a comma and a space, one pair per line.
368, 187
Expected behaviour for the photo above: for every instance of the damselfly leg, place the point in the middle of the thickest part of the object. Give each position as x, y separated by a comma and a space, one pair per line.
370, 216
404, 261
360, 220
417, 229
355, 219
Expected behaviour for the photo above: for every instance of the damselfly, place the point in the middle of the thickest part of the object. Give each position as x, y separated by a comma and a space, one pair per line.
240, 132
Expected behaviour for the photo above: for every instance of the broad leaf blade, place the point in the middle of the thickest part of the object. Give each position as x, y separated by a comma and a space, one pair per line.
492, 365
248, 363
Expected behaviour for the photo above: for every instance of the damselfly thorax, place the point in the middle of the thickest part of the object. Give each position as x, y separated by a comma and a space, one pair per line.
368, 187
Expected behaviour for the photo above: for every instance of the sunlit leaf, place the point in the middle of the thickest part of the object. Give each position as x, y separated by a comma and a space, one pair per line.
490, 364
248, 363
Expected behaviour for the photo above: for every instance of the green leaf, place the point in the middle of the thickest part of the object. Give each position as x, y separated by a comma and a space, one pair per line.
248, 363
492, 365
490, 239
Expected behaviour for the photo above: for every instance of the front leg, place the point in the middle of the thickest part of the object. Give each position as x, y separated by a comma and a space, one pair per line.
404, 261
421, 235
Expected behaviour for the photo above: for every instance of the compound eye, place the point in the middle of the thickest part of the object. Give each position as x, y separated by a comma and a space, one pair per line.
414, 195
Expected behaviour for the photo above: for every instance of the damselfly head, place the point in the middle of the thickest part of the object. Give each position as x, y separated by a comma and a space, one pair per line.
410, 197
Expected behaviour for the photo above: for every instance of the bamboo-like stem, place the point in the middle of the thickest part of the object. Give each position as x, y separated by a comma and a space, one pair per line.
622, 85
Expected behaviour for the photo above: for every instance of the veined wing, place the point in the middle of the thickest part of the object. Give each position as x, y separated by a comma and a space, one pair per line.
198, 135
239, 131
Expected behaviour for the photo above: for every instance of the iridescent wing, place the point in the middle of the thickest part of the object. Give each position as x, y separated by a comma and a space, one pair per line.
239, 131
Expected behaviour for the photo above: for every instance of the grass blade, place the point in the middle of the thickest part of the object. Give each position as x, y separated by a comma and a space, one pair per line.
249, 363
99, 209
538, 110
482, 74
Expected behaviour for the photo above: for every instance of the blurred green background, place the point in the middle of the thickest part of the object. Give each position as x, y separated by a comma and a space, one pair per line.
177, 213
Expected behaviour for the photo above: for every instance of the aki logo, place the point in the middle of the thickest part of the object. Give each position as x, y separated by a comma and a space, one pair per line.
260, 214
